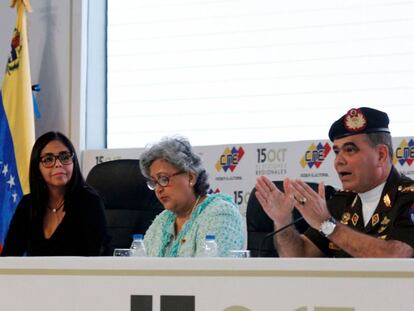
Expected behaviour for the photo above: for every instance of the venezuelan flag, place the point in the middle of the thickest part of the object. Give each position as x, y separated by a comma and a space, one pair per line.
16, 122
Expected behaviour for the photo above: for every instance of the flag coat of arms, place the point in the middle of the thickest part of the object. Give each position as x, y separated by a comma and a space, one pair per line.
16, 122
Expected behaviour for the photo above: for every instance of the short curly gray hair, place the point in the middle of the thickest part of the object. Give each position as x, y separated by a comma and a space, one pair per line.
178, 152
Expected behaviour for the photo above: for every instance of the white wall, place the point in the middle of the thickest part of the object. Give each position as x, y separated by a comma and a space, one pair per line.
54, 29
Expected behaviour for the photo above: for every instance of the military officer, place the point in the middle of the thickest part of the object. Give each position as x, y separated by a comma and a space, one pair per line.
373, 216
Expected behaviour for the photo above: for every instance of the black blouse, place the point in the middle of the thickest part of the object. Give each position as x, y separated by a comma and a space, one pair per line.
82, 231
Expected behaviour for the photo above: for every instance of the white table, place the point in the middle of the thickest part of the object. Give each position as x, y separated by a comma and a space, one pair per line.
259, 284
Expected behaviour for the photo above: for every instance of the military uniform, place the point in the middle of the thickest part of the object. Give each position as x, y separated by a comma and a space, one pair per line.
393, 218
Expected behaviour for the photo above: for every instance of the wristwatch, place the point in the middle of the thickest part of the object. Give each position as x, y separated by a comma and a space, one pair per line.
327, 227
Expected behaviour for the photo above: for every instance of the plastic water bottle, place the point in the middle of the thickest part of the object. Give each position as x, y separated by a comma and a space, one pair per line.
138, 246
210, 246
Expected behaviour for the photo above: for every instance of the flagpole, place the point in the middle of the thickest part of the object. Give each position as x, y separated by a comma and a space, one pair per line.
26, 4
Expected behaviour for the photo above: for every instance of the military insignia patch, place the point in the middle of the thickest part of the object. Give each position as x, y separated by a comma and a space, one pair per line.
385, 221
355, 120
375, 219
354, 219
381, 229
345, 218
387, 200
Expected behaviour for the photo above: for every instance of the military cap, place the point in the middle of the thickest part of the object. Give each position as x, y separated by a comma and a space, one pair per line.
362, 120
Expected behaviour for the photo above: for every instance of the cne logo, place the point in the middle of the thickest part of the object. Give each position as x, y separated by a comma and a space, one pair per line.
229, 159
404, 153
213, 191
13, 60
315, 155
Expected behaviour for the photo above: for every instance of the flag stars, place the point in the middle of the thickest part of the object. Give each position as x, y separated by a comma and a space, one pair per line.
5, 169
14, 196
11, 181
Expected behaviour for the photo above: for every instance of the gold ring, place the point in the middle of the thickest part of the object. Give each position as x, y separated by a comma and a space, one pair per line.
303, 200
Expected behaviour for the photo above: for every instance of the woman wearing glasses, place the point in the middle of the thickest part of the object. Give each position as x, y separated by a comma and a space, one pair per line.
61, 216
179, 180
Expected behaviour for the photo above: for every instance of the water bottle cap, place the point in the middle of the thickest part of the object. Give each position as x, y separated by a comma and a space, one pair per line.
138, 237
210, 237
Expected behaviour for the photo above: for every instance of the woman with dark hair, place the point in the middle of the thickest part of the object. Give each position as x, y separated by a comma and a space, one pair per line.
180, 182
62, 215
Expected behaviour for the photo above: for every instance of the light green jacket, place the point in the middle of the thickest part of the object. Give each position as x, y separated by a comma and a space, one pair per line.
216, 215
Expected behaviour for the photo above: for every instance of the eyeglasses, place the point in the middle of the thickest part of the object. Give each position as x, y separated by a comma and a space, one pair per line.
49, 160
163, 180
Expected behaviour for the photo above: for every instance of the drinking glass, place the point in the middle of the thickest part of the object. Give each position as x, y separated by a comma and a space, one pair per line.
122, 252
242, 253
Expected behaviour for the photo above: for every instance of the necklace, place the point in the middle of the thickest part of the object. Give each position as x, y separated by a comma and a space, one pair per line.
193, 208
169, 221
184, 219
195, 205
57, 208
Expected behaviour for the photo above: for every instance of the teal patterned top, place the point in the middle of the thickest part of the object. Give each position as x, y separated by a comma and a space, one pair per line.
216, 215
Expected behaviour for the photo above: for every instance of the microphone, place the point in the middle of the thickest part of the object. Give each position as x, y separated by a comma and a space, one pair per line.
276, 232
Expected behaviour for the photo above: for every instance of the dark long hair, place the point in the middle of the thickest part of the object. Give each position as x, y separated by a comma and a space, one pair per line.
38, 187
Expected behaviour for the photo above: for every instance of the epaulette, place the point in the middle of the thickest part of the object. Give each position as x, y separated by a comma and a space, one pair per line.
405, 189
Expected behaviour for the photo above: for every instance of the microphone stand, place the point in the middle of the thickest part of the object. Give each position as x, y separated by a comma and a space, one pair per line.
275, 232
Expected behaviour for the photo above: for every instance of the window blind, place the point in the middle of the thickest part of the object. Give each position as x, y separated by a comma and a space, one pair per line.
231, 71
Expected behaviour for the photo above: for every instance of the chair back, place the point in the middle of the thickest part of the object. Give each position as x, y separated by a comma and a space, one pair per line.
259, 224
130, 207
